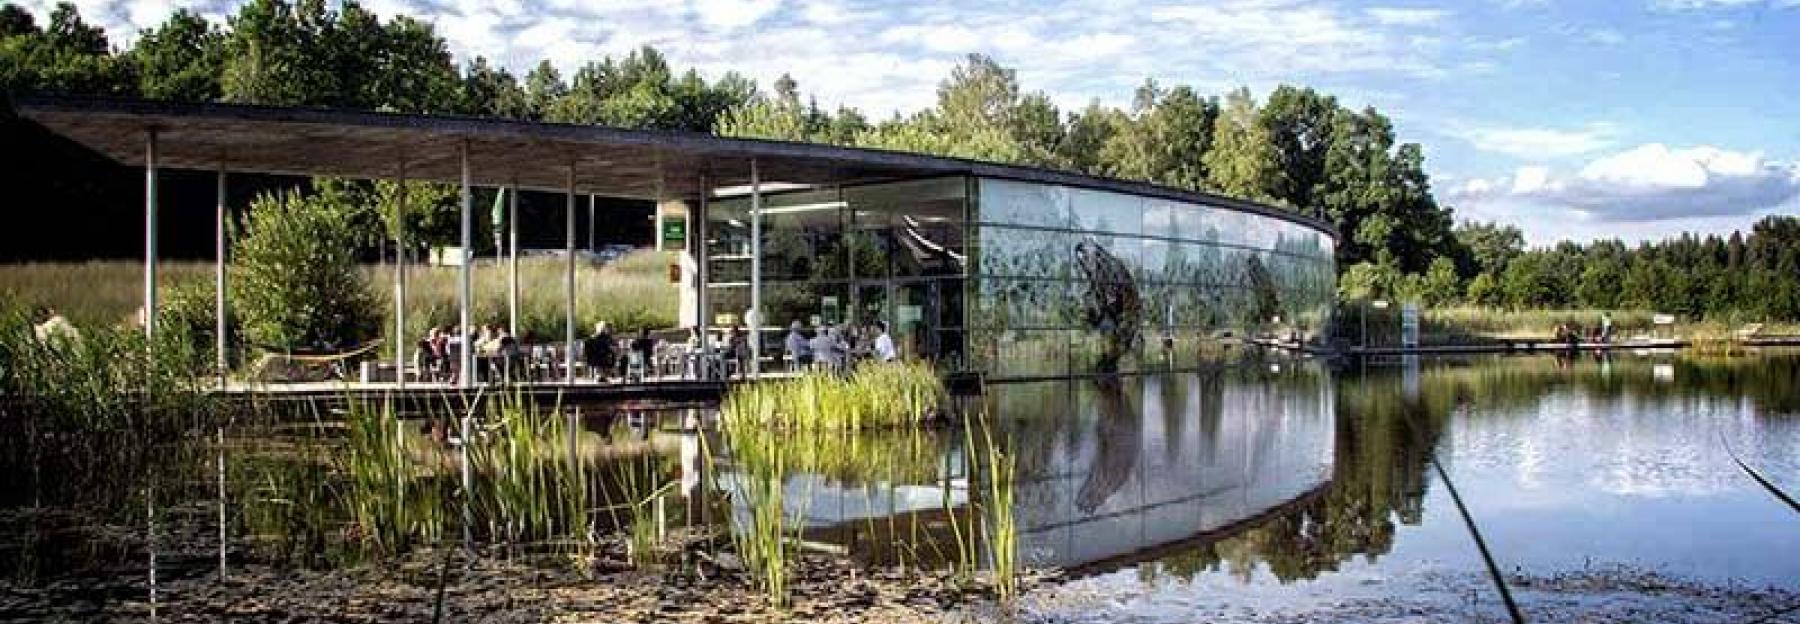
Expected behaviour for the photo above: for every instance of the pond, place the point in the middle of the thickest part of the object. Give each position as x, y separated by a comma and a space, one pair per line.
1275, 490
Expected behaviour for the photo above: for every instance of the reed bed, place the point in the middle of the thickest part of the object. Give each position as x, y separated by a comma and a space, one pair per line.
527, 489
875, 396
763, 537
392, 508
104, 380
996, 467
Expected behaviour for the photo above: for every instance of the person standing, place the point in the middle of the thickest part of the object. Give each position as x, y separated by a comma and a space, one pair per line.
600, 351
884, 344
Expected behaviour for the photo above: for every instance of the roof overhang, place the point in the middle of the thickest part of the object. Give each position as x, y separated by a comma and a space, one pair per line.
614, 162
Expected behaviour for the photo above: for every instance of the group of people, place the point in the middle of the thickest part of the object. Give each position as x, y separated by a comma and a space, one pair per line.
494, 345
1572, 336
834, 348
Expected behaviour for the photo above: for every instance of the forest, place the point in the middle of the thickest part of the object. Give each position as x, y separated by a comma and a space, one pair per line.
1295, 147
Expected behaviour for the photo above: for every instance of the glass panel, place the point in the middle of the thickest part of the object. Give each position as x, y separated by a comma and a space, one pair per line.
1033, 353
1113, 213
1023, 203
1014, 252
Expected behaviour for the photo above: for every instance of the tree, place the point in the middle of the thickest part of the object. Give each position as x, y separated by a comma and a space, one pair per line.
1168, 140
1298, 125
1484, 289
1440, 285
181, 59
1242, 161
328, 303
543, 87
67, 56
492, 92
1490, 246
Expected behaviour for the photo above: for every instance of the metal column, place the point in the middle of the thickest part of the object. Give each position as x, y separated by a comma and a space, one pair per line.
466, 374
697, 236
569, 292
219, 343
150, 236
755, 315
512, 260
400, 211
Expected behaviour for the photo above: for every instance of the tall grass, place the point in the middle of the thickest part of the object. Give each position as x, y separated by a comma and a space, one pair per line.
630, 293
392, 508
877, 395
527, 491
108, 379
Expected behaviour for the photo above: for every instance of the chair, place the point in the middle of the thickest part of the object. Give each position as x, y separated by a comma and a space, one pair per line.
634, 365
1748, 331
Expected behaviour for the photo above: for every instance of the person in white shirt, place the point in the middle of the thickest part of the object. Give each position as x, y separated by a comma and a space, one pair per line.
884, 344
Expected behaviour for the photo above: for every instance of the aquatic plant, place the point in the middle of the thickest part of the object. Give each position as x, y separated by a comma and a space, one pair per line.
637, 484
1000, 530
763, 537
526, 491
876, 395
392, 511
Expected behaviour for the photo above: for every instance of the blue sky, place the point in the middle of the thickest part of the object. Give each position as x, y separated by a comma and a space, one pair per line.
1573, 120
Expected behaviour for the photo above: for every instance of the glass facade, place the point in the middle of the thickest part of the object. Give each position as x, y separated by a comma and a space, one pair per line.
1023, 279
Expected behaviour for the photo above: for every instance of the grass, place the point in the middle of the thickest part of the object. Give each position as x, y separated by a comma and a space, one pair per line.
1000, 528
875, 396
630, 292
1473, 325
108, 379
763, 539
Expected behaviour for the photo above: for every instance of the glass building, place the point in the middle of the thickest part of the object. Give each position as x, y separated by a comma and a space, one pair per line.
1021, 279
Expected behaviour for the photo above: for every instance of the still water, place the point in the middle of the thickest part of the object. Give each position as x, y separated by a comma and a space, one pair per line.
1275, 487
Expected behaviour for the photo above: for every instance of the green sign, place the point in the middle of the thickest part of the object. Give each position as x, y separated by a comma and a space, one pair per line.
674, 231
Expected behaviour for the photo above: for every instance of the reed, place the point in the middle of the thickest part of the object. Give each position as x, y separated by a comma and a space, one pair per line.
762, 461
392, 508
1000, 531
877, 395
527, 490
636, 481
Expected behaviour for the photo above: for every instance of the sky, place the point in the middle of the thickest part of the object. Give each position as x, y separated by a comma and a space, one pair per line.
1574, 120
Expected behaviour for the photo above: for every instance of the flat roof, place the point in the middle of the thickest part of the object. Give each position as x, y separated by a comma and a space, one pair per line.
614, 162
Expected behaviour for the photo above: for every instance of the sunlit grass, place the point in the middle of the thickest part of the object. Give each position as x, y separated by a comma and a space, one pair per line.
877, 395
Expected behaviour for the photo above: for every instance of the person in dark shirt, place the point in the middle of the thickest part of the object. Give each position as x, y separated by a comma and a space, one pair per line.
599, 351
645, 347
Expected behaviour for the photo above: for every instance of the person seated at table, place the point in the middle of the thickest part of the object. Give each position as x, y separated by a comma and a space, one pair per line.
798, 349
828, 350
694, 341
599, 351
430, 355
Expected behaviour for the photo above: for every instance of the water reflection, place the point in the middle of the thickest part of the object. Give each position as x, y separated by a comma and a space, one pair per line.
1282, 471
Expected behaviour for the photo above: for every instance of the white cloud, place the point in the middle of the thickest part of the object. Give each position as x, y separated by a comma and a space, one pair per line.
1539, 142
1394, 16
733, 14
1650, 182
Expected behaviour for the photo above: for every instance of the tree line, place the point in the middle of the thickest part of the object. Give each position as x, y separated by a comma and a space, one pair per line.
1297, 148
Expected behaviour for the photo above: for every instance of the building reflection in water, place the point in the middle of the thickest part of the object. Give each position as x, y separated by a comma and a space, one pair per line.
1108, 467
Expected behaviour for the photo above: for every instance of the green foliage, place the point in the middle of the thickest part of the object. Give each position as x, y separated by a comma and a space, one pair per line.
106, 379
67, 56
1489, 246
296, 277
181, 59
1243, 161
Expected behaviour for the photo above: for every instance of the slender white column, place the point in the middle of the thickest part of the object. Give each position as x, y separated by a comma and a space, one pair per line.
466, 376
400, 212
591, 223
697, 235
512, 261
150, 235
219, 325
569, 287
756, 319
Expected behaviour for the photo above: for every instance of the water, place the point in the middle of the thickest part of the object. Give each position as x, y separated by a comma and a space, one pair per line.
1281, 489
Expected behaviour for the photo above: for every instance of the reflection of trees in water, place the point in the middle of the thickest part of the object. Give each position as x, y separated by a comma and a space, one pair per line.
1378, 478
1119, 437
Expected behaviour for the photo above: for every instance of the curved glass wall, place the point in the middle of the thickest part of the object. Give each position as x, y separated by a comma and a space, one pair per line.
1070, 281
1022, 279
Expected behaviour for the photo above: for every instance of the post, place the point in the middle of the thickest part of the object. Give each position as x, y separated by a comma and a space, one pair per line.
219, 344
466, 374
512, 260
590, 223
150, 236
400, 210
755, 320
569, 287
697, 234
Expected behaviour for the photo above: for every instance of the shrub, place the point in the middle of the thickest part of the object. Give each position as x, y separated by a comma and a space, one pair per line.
295, 277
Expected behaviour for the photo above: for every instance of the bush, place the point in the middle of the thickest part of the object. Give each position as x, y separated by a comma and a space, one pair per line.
295, 277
